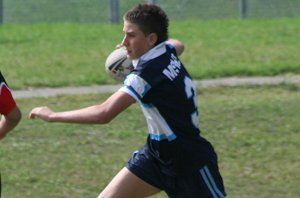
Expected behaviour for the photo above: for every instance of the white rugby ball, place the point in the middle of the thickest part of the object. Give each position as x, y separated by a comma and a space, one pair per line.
117, 65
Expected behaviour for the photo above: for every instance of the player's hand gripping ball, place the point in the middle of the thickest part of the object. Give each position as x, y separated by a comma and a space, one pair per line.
117, 65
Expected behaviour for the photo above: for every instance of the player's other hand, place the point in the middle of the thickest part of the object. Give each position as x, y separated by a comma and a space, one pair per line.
119, 45
43, 113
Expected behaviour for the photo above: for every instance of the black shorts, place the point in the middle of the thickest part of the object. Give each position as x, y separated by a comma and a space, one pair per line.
205, 182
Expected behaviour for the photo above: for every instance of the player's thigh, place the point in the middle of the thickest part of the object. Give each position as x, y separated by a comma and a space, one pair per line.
126, 184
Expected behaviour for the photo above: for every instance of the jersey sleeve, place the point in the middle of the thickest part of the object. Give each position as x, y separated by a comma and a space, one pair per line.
149, 74
7, 102
135, 86
171, 47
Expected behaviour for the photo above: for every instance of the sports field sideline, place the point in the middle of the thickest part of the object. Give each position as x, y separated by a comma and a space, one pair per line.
234, 81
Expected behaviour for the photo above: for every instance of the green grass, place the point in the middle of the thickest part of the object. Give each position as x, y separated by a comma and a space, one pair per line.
255, 131
55, 55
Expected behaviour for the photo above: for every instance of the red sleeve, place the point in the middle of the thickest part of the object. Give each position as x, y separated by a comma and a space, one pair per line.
7, 103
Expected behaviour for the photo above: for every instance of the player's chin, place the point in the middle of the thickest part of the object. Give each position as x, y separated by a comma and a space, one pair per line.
130, 56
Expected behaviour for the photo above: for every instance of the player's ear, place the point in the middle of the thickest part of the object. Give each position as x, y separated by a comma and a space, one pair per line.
152, 39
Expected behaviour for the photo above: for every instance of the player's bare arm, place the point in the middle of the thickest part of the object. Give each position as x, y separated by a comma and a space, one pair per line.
178, 45
97, 114
9, 121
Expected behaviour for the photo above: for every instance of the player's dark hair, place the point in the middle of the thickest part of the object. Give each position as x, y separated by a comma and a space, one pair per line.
149, 18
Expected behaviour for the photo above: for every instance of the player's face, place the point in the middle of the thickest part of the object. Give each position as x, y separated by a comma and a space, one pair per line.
135, 41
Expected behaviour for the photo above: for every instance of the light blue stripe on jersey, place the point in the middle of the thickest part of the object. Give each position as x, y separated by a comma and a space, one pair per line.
158, 128
138, 84
147, 105
162, 137
134, 92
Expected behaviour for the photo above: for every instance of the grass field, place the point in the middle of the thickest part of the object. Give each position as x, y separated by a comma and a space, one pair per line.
54, 55
255, 131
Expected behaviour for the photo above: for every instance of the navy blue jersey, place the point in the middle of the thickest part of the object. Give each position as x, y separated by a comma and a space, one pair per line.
168, 99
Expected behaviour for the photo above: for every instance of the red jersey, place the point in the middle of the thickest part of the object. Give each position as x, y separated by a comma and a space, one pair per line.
7, 102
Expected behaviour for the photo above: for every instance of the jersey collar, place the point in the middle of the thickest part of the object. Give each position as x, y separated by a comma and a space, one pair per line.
151, 54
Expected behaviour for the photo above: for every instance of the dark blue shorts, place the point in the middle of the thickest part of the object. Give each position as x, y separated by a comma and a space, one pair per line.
206, 181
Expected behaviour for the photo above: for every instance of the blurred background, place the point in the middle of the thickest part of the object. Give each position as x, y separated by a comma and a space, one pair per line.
95, 11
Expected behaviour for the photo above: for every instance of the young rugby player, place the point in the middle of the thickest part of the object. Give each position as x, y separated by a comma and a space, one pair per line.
175, 158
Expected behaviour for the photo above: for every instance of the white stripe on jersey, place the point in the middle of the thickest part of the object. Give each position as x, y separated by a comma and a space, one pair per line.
158, 128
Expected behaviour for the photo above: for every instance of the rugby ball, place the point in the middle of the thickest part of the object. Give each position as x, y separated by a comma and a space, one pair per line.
117, 65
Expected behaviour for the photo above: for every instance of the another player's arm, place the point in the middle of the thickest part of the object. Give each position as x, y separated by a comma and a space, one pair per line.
178, 45
9, 121
97, 114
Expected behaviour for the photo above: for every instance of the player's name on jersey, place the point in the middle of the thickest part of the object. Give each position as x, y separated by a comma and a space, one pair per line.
173, 68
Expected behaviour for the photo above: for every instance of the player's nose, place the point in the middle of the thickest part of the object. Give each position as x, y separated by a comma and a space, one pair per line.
124, 41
